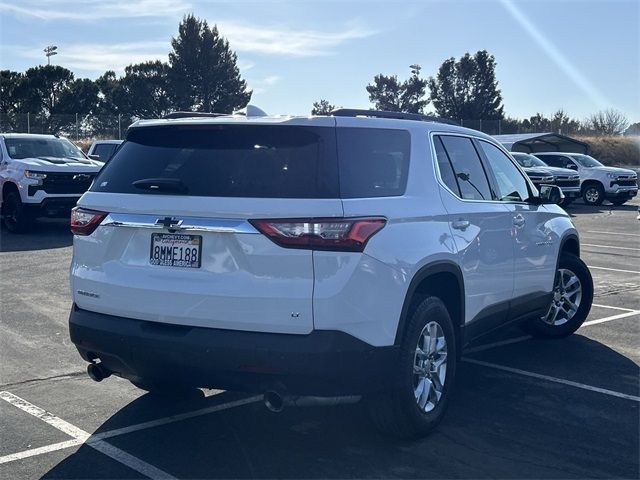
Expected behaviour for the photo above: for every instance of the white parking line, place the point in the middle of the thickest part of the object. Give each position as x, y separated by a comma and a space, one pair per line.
609, 246
97, 441
613, 317
616, 233
553, 379
613, 269
613, 308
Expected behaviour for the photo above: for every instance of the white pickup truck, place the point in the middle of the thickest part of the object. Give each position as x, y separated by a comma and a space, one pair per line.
41, 175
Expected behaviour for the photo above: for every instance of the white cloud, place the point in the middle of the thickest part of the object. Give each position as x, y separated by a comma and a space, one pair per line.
263, 85
91, 10
282, 40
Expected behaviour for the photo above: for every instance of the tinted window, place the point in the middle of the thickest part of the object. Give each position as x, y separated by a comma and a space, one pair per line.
512, 186
553, 160
226, 161
444, 165
34, 147
373, 162
104, 151
467, 167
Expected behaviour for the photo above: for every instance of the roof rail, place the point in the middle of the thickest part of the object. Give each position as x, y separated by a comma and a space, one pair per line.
354, 112
192, 115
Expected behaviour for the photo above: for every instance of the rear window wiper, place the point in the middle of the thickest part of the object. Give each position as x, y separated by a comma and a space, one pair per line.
174, 185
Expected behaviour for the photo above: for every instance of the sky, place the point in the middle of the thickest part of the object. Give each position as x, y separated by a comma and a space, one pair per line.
578, 55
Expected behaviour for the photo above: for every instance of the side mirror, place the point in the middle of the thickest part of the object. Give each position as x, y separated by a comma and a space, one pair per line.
95, 157
572, 166
550, 194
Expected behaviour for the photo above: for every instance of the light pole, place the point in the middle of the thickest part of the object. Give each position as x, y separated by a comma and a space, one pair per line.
49, 51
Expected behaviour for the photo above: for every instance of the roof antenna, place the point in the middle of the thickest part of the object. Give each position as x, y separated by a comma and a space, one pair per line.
253, 111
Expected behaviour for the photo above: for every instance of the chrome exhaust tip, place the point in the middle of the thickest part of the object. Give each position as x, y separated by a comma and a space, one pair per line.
274, 401
97, 372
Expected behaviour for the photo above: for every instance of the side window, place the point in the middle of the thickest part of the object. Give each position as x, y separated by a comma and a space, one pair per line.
467, 167
103, 150
512, 187
551, 160
444, 165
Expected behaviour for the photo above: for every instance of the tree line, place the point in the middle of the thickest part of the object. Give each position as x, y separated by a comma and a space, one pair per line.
202, 75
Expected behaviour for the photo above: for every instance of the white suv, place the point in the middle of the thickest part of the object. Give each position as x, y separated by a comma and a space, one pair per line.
41, 175
340, 256
597, 182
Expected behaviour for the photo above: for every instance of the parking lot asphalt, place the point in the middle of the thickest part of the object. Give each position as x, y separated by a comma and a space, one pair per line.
523, 407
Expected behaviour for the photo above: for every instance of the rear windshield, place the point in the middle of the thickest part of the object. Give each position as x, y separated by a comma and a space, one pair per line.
266, 161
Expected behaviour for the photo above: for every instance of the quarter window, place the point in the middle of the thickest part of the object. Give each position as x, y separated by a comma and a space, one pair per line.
467, 167
511, 185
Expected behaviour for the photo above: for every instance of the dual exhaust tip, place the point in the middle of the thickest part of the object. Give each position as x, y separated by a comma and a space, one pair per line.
275, 400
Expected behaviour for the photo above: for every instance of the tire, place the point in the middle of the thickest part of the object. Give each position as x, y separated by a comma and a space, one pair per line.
168, 390
564, 324
397, 411
15, 216
593, 194
619, 201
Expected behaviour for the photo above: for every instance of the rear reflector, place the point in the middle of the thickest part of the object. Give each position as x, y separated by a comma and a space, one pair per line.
341, 234
84, 222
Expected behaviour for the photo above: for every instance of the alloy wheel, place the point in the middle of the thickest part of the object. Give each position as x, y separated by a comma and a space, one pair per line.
430, 366
567, 295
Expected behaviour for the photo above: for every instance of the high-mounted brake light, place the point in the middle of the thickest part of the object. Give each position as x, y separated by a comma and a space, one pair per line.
342, 234
84, 222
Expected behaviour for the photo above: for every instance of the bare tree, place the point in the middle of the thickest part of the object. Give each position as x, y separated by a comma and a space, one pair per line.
608, 122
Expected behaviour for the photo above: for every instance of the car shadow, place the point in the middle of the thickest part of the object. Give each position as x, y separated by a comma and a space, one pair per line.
499, 425
42, 235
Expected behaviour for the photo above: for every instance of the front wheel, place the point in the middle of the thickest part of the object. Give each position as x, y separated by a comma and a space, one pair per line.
15, 216
425, 371
593, 194
571, 300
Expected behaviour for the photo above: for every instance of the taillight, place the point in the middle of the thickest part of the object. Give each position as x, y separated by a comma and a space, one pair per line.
84, 222
343, 234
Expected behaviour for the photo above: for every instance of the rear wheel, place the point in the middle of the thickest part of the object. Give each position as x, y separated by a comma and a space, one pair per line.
593, 194
15, 216
425, 372
571, 301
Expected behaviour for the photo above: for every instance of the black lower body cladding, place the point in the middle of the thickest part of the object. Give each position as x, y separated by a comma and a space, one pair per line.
320, 363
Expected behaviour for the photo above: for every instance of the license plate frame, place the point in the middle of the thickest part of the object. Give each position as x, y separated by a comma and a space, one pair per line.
171, 241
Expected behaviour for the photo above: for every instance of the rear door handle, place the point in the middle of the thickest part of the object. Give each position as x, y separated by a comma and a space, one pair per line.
518, 220
460, 224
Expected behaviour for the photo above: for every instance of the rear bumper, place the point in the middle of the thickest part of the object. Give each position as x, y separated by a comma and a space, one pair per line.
320, 363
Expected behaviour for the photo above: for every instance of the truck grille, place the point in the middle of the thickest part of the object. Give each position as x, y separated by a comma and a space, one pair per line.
624, 183
67, 182
568, 182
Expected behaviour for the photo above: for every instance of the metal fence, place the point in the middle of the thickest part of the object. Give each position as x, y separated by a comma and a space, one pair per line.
80, 126
73, 126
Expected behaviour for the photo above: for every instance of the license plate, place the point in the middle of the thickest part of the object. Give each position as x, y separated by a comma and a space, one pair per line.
176, 250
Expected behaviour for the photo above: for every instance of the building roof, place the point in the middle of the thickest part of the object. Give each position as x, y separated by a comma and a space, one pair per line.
542, 142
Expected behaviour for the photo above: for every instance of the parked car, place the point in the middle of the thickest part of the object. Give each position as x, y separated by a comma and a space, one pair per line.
103, 150
41, 175
597, 182
568, 180
315, 259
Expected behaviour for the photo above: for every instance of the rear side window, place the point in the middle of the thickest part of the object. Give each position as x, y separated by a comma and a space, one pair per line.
374, 162
225, 161
467, 167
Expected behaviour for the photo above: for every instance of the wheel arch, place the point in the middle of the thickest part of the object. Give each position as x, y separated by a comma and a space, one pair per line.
590, 181
570, 244
443, 279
